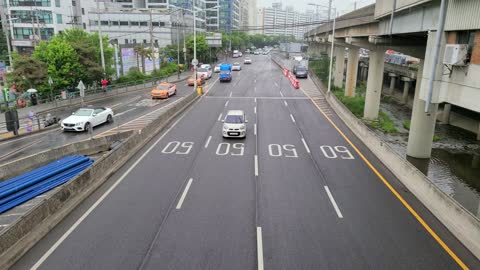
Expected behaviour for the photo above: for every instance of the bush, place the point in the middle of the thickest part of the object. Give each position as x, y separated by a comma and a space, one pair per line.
134, 74
436, 138
406, 124
354, 104
165, 70
383, 123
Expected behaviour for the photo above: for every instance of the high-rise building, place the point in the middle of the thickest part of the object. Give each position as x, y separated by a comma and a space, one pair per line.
229, 15
277, 21
252, 17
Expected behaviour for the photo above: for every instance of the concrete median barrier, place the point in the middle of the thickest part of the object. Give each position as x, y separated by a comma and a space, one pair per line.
20, 236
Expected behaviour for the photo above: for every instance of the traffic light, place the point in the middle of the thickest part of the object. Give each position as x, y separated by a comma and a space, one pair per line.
6, 94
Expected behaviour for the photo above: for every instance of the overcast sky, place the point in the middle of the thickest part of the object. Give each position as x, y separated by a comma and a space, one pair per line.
343, 6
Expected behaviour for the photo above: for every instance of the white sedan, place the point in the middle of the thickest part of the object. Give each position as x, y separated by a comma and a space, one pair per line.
86, 118
236, 66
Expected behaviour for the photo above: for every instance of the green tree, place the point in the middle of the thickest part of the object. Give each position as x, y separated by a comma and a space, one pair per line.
27, 72
87, 47
202, 47
62, 62
3, 48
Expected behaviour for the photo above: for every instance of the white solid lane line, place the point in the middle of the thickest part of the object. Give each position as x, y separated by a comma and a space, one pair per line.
305, 144
90, 210
118, 114
339, 214
226, 103
259, 248
293, 119
184, 194
254, 129
285, 102
208, 141
256, 165
219, 117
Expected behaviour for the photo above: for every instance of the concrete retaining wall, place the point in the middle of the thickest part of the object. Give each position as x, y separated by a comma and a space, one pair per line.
17, 239
88, 147
464, 225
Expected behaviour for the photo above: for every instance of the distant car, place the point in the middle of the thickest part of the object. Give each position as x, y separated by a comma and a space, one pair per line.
86, 118
217, 68
236, 66
205, 72
191, 81
240, 54
256, 53
163, 90
247, 61
206, 66
234, 124
265, 53
301, 72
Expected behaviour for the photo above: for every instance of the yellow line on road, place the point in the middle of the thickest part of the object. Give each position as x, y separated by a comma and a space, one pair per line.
392, 189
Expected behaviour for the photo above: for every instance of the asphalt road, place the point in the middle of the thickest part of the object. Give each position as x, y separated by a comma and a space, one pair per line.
126, 108
292, 195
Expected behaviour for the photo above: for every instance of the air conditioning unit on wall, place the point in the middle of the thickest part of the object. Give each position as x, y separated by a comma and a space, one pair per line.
456, 54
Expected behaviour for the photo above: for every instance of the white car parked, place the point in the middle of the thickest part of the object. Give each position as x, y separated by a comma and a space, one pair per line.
86, 118
234, 124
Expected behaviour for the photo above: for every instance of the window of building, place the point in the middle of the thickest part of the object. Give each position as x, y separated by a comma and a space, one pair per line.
162, 23
83, 11
126, 41
157, 1
134, 23
29, 3
155, 24
25, 16
57, 3
115, 23
143, 23
74, 3
105, 23
144, 41
84, 26
124, 23
134, 41
59, 18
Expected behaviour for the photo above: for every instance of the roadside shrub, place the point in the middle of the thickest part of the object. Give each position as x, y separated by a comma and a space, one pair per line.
406, 124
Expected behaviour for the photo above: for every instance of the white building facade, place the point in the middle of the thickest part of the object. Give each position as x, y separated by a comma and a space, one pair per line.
278, 21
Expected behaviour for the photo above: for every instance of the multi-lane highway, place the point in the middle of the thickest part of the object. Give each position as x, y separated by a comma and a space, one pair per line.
127, 108
299, 192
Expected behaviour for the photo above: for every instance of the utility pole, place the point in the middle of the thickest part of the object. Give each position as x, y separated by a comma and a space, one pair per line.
102, 56
5, 21
331, 54
355, 5
151, 40
184, 47
178, 48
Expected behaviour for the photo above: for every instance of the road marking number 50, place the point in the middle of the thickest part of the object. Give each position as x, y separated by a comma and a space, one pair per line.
331, 152
276, 150
224, 149
179, 148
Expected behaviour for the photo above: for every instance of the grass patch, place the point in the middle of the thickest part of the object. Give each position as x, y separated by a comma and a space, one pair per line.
354, 104
384, 123
436, 138
406, 124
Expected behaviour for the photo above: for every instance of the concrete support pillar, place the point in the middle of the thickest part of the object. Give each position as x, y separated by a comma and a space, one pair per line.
478, 133
422, 127
374, 84
393, 78
339, 53
406, 88
352, 71
446, 113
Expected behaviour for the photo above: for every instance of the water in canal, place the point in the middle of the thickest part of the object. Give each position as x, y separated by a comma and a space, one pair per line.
455, 163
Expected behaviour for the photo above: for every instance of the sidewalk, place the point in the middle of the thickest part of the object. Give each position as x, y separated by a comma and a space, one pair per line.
43, 109
23, 112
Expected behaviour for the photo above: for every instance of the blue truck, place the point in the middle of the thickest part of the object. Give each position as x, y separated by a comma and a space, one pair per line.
225, 72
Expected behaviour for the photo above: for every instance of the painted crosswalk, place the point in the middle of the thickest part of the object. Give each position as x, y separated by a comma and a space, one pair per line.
138, 123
